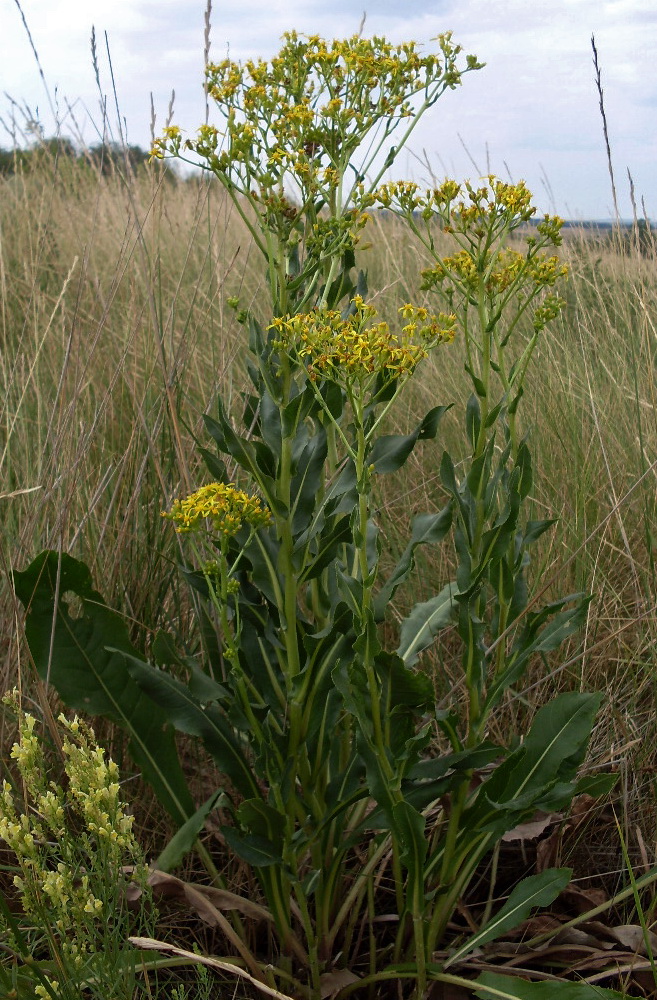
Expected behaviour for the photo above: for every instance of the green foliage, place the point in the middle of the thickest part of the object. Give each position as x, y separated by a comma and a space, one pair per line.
323, 737
103, 157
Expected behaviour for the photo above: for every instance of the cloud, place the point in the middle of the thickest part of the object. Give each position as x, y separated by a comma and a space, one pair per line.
534, 106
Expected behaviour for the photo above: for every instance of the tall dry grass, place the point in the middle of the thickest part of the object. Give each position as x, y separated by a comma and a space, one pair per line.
116, 337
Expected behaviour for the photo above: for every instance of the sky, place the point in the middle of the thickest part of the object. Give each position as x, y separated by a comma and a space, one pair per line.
532, 113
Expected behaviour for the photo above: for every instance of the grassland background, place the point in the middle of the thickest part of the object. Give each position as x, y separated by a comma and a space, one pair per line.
115, 338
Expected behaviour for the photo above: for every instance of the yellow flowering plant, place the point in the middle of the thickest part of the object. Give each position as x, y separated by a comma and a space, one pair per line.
303, 140
334, 795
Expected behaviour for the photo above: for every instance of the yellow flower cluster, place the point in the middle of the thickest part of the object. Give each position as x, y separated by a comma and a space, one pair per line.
308, 109
353, 349
224, 506
467, 268
495, 205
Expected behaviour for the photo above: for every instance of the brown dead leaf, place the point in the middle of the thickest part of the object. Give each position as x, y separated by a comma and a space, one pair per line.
332, 982
533, 828
631, 936
204, 899
581, 936
582, 900
150, 944
612, 961
547, 851
541, 923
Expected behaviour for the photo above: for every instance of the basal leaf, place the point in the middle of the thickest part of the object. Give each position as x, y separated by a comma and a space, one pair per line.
84, 658
493, 986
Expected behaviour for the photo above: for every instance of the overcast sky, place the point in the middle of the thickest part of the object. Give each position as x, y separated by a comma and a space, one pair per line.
532, 111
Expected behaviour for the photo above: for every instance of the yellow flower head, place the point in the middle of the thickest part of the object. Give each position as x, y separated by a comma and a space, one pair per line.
223, 506
354, 349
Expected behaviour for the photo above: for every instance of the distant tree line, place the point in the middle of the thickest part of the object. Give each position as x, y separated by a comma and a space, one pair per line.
105, 157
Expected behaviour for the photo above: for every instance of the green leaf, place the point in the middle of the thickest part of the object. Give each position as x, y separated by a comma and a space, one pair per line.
535, 529
253, 456
391, 450
479, 386
493, 986
255, 850
209, 724
84, 658
552, 752
424, 622
405, 688
426, 529
409, 828
183, 841
537, 890
258, 817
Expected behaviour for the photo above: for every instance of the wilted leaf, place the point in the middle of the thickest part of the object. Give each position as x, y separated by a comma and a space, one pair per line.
204, 900
532, 828
150, 944
332, 982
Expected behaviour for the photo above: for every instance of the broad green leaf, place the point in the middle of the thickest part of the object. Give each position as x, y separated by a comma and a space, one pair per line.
534, 529
424, 622
551, 752
466, 760
255, 850
493, 986
405, 687
307, 480
537, 890
209, 724
391, 450
183, 841
539, 635
84, 658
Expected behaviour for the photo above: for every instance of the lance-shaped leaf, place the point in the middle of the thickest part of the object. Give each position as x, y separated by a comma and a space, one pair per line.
209, 724
84, 659
183, 841
537, 890
391, 450
426, 529
493, 986
425, 622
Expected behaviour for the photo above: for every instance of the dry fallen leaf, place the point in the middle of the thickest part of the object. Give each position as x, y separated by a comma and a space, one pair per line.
150, 944
204, 899
332, 982
533, 828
